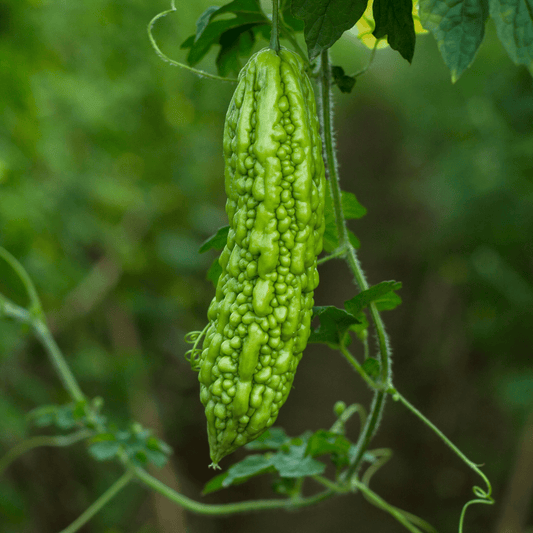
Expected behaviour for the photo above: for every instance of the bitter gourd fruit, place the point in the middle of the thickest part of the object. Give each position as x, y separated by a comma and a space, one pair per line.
260, 317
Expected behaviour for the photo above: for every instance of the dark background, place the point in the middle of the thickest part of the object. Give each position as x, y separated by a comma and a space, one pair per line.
111, 177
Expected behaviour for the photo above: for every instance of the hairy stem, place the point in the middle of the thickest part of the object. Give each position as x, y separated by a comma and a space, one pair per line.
378, 404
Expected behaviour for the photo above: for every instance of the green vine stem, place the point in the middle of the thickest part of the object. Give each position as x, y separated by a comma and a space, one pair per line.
37, 322
408, 520
105, 498
39, 441
482, 496
378, 404
274, 32
19, 270
167, 59
229, 508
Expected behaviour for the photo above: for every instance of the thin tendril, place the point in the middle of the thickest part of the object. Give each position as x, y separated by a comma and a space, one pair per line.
167, 59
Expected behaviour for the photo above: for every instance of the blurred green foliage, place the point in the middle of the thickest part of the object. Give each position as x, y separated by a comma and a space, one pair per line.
111, 177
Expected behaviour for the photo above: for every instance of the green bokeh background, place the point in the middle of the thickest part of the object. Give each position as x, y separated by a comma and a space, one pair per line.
111, 176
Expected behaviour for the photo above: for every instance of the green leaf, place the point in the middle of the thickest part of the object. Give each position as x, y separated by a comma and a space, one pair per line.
325, 442
214, 272
295, 463
361, 329
232, 34
458, 27
388, 301
271, 439
394, 18
204, 20
250, 466
372, 367
344, 82
215, 484
326, 20
43, 416
351, 206
514, 26
286, 15
334, 324
286, 486
354, 241
216, 241
234, 42
65, 417
104, 447
381, 294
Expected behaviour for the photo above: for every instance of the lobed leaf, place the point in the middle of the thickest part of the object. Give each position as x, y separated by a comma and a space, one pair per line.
334, 325
382, 294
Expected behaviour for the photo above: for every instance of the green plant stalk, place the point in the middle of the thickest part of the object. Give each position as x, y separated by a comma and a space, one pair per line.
229, 508
446, 440
406, 519
167, 59
274, 32
69, 381
378, 403
43, 334
41, 440
105, 498
359, 369
483, 496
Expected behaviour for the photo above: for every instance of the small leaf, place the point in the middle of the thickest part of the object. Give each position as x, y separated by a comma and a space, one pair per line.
214, 272
286, 486
204, 20
295, 464
354, 241
234, 42
157, 458
325, 442
65, 417
344, 82
215, 484
210, 32
216, 241
271, 439
334, 324
104, 447
372, 367
361, 329
380, 293
394, 18
43, 416
326, 20
388, 301
251, 466
351, 206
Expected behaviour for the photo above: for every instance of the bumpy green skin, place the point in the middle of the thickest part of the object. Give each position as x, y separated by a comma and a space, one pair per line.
260, 317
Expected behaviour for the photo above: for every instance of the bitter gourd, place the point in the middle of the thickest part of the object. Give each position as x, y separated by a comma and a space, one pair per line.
260, 317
